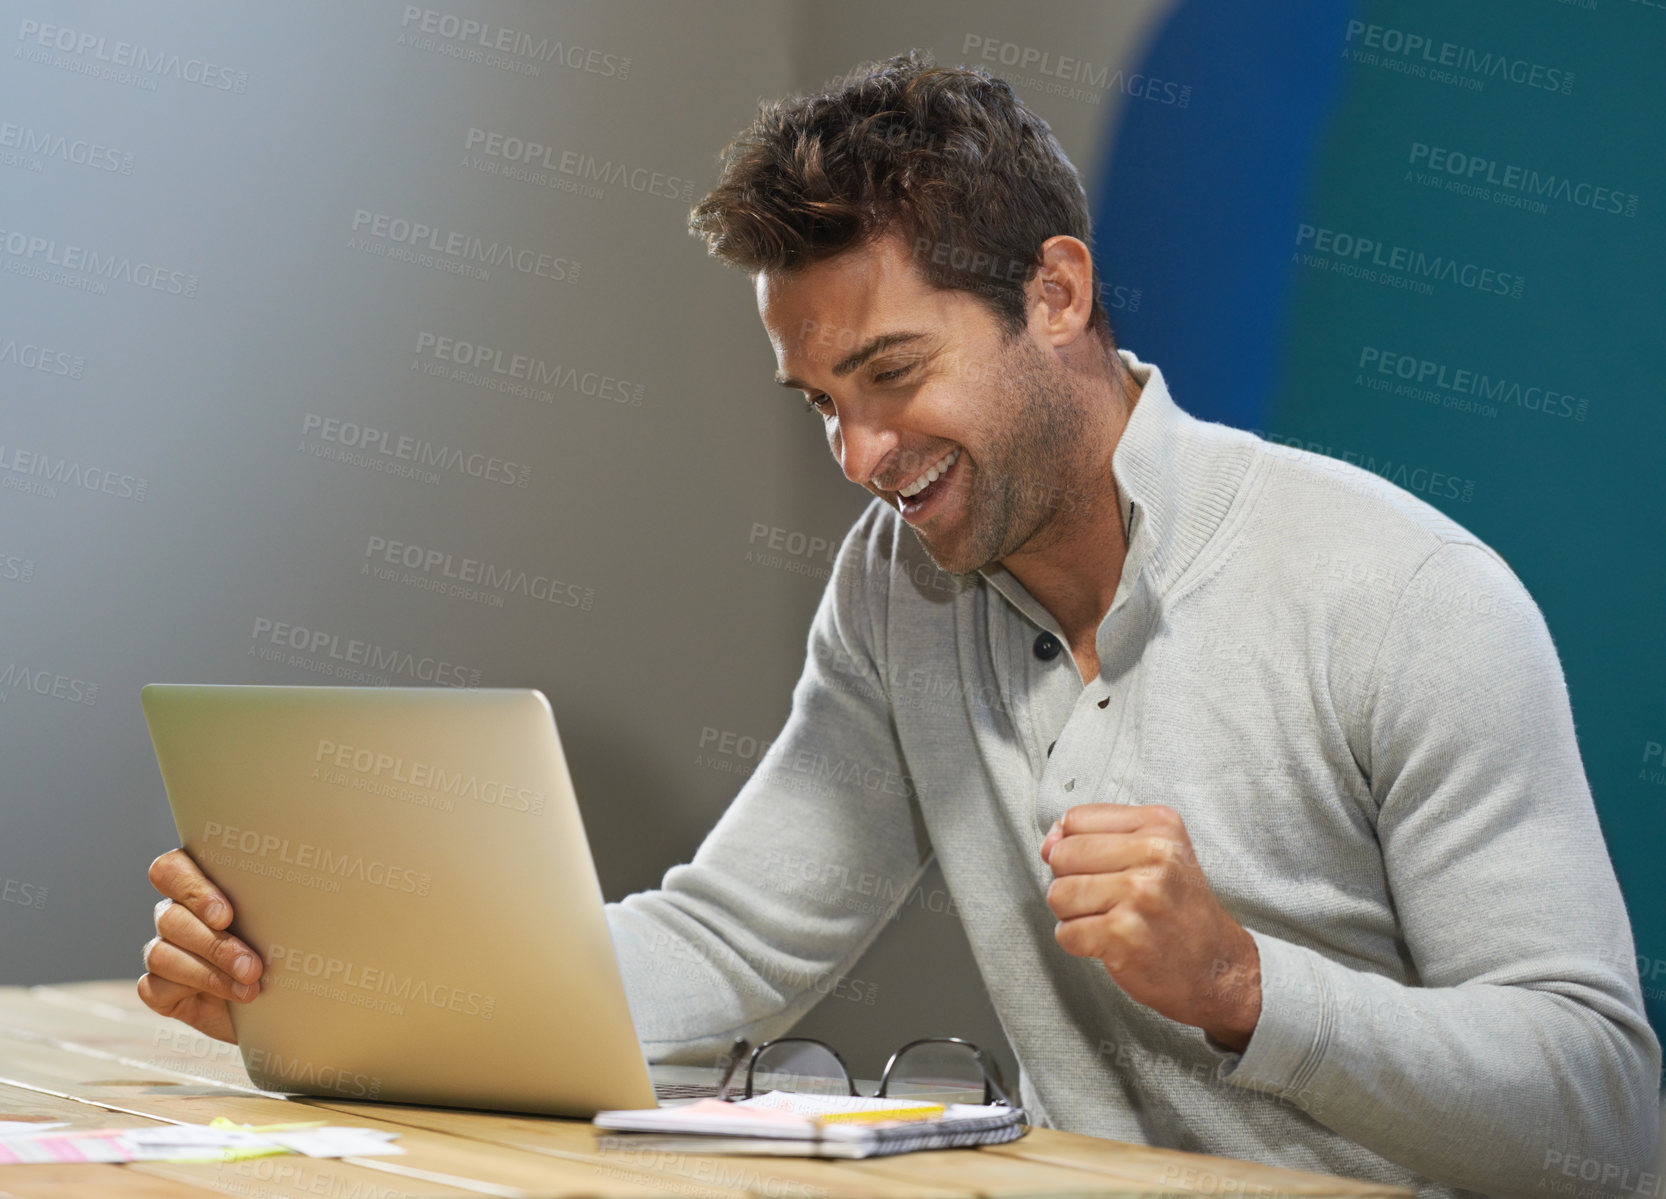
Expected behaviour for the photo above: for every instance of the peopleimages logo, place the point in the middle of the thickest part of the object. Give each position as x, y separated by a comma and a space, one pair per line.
1071, 70
1352, 253
440, 570
462, 253
495, 369
1430, 56
333, 972
16, 570
381, 765
78, 151
46, 682
99, 56
497, 46
350, 658
1433, 483
267, 1066
1505, 183
524, 158
34, 357
34, 471
34, 256
24, 894
278, 851
419, 454
1461, 387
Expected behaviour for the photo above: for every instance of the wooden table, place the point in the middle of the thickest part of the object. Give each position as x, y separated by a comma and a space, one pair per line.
92, 1054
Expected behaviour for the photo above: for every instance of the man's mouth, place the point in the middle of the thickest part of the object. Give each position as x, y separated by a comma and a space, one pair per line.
929, 475
921, 492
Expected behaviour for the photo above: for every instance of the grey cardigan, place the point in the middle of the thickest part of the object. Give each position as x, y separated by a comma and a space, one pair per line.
1357, 709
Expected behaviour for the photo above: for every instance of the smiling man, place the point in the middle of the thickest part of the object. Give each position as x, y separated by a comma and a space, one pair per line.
1253, 777
993, 447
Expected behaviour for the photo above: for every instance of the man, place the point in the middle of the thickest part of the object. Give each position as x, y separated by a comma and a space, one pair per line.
1253, 777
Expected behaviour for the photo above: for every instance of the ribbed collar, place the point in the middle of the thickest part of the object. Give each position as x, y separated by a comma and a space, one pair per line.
1176, 477
1182, 473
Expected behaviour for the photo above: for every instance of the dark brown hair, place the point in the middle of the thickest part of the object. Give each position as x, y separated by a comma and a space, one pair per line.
946, 156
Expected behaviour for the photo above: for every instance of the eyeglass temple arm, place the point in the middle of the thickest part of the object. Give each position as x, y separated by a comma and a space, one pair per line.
737, 1054
993, 1080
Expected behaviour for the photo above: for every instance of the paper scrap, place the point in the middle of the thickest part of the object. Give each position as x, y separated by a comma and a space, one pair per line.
339, 1142
221, 1141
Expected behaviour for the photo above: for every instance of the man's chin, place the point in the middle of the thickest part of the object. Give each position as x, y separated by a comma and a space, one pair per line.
950, 558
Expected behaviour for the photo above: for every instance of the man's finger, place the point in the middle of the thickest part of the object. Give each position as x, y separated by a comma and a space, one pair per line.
164, 996
179, 925
205, 1013
1051, 839
1078, 895
1105, 853
1115, 818
178, 877
169, 961
1111, 936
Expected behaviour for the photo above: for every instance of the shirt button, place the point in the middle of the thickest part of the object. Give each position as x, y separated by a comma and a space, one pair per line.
1047, 647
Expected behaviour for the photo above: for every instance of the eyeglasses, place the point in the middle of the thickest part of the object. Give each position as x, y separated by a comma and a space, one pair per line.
935, 1069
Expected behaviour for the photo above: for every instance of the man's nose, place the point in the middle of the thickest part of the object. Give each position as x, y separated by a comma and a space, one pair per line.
864, 441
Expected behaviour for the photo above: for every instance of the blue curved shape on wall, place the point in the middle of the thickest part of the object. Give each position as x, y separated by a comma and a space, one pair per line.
1196, 206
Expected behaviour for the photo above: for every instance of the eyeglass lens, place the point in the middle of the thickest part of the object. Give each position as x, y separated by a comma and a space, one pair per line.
804, 1067
935, 1071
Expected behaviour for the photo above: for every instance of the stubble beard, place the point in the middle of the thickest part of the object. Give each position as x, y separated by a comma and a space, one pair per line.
1028, 471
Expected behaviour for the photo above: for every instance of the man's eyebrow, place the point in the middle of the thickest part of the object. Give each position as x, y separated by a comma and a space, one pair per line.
851, 361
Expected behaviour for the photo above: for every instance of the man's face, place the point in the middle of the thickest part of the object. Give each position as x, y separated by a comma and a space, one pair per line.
909, 379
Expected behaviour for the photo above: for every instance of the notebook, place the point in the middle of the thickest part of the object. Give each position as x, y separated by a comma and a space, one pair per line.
784, 1124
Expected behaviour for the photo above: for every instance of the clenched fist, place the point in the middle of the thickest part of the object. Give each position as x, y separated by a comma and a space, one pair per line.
1128, 890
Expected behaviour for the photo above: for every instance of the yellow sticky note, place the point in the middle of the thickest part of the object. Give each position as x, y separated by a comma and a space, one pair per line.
222, 1122
919, 1111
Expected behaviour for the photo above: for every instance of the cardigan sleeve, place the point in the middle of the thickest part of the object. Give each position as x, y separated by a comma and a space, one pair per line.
818, 850
1525, 1050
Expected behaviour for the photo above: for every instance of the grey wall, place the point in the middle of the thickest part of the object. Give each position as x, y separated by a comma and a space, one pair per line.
195, 277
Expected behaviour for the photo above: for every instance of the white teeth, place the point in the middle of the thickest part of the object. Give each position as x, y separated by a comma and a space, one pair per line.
930, 476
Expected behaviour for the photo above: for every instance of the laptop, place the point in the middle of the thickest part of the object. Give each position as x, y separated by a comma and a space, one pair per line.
410, 865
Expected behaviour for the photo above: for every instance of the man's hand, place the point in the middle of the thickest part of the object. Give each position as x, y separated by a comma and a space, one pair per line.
1127, 889
194, 967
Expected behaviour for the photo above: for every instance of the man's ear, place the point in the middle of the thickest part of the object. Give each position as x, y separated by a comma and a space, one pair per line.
1061, 291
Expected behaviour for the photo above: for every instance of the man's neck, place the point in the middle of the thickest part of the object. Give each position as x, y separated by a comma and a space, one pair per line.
1075, 571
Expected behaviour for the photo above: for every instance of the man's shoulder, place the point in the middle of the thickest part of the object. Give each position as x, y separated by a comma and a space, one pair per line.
1365, 539
1374, 508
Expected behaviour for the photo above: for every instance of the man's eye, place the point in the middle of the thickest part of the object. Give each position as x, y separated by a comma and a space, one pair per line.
813, 404
887, 376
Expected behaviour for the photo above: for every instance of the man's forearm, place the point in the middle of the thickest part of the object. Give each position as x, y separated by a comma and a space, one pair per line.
1482, 1086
